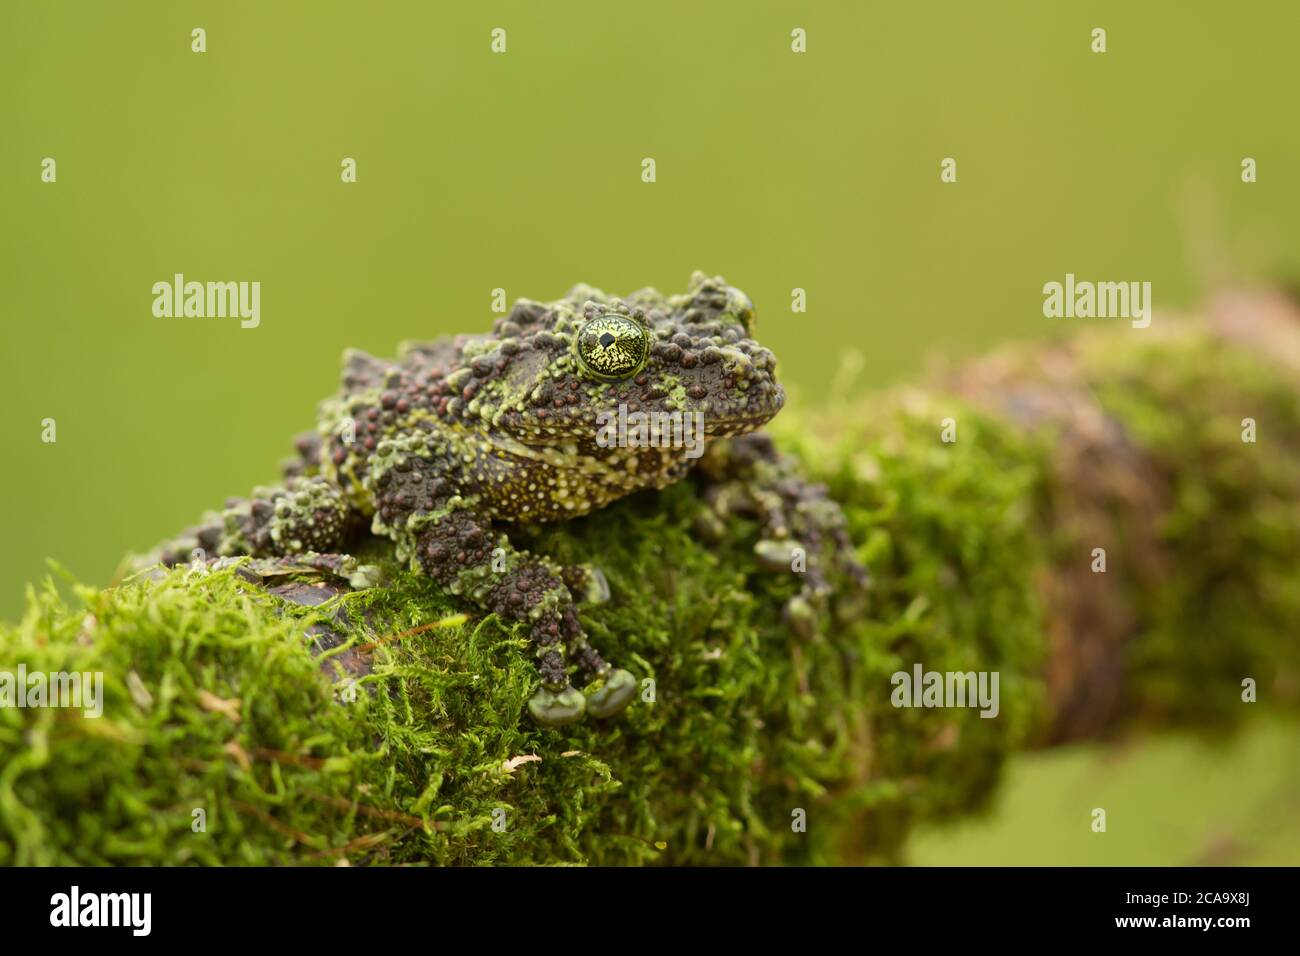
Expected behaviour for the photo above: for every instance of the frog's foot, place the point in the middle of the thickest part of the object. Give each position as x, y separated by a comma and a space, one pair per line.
611, 688
557, 702
801, 616
803, 612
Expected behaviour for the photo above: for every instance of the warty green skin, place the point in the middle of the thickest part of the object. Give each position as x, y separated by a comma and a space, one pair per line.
444, 446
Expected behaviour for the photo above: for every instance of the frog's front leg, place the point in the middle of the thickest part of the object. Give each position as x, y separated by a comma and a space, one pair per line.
455, 544
804, 529
469, 558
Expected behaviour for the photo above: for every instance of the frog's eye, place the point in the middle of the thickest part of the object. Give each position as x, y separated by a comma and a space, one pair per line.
612, 347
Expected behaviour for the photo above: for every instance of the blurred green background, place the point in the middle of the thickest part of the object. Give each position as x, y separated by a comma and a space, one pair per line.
522, 171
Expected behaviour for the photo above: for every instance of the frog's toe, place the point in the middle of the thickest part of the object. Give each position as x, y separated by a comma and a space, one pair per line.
557, 708
800, 615
616, 693
588, 584
776, 555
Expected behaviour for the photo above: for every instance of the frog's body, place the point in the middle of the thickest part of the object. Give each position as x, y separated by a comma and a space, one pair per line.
439, 448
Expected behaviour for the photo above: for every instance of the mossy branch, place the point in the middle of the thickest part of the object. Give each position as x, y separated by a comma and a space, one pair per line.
405, 743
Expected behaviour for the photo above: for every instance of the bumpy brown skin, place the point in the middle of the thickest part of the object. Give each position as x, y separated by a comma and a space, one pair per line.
442, 446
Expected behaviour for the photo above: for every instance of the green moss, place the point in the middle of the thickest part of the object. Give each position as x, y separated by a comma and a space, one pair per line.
747, 725
1224, 603
948, 536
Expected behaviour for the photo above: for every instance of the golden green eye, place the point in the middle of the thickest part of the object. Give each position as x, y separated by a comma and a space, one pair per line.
612, 347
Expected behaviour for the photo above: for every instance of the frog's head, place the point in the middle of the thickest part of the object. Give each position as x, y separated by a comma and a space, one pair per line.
550, 371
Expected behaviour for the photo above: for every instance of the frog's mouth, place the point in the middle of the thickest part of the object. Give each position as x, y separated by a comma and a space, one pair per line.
742, 417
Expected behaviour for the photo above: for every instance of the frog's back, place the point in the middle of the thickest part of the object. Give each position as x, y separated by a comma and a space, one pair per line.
429, 360
368, 409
